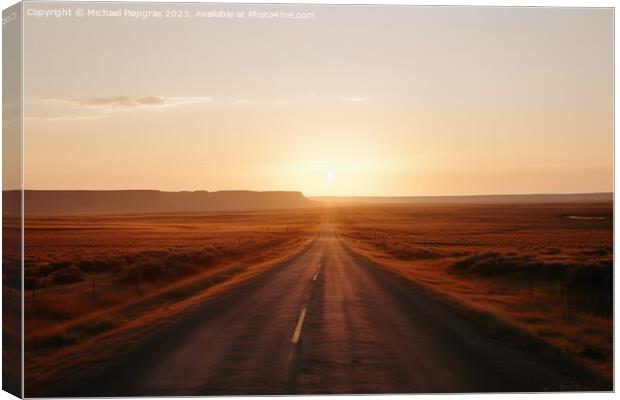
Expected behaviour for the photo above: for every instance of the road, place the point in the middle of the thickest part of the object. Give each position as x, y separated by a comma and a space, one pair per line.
326, 321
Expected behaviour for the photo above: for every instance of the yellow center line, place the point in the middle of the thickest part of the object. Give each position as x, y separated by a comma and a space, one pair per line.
302, 316
300, 323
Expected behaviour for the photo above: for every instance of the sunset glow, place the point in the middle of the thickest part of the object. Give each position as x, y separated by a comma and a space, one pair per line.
394, 117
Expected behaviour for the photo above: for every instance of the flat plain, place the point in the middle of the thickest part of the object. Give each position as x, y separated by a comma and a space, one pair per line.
546, 269
92, 275
123, 304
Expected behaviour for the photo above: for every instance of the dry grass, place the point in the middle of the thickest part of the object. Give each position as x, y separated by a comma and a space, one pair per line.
528, 265
87, 276
11, 304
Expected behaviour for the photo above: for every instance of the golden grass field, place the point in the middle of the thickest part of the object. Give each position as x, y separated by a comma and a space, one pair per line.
543, 268
92, 275
93, 280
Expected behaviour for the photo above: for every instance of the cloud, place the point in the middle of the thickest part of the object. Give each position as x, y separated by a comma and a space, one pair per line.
98, 107
121, 103
63, 118
60, 109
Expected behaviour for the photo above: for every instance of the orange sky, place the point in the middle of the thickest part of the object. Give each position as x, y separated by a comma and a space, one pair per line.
357, 101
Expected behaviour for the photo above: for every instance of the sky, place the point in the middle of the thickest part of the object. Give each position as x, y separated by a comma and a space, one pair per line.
356, 101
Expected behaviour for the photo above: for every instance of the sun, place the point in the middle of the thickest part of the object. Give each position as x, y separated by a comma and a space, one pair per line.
329, 176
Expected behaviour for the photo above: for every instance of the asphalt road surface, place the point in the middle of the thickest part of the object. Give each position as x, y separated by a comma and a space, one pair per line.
327, 321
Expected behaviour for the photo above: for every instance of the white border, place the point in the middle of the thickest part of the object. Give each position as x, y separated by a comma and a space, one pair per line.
506, 3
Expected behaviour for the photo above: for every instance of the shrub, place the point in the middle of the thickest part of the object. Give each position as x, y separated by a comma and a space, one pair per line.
148, 266
71, 274
50, 268
489, 264
58, 265
129, 274
101, 265
576, 274
151, 269
417, 254
521, 266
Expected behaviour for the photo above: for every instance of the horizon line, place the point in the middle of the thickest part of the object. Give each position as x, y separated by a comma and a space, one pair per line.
317, 195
